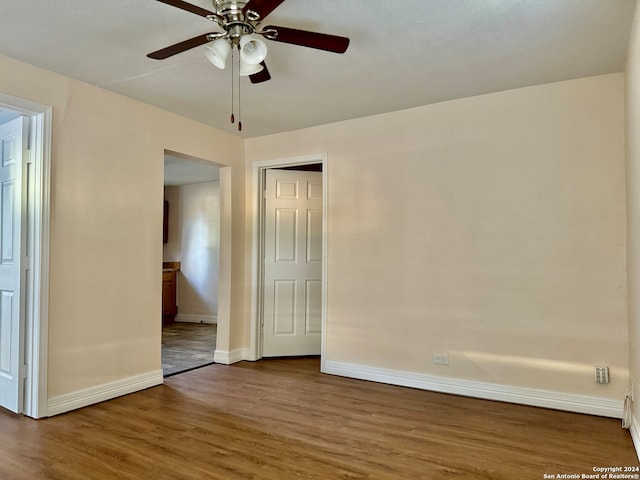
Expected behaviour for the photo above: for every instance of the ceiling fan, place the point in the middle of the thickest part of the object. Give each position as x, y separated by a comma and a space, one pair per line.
241, 21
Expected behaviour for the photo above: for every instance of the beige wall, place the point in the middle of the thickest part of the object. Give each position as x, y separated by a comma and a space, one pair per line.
633, 202
194, 240
489, 228
106, 223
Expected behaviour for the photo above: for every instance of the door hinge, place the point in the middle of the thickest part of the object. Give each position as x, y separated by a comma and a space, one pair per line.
29, 156
27, 263
24, 369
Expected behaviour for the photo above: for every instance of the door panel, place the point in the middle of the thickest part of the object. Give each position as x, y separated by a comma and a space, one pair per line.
7, 221
13, 142
292, 282
314, 236
284, 307
6, 330
286, 235
313, 313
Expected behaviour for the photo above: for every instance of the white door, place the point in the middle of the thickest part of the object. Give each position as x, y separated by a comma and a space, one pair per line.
292, 297
13, 141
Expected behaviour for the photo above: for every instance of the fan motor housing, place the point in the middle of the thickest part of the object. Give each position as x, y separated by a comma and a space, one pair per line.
232, 19
231, 10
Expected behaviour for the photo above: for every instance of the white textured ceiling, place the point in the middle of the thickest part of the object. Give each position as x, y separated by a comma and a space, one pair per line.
403, 53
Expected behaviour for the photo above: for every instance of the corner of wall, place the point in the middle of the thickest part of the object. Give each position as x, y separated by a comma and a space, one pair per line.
632, 92
228, 357
634, 429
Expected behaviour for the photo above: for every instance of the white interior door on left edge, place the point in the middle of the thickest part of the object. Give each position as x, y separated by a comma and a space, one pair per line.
13, 155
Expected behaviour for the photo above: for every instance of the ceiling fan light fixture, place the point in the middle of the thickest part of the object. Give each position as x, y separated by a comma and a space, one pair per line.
218, 52
247, 69
240, 22
253, 50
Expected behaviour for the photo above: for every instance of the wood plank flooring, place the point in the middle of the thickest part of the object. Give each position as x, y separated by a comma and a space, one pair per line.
282, 419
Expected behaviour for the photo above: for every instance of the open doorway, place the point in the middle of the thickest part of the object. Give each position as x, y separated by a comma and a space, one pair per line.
191, 264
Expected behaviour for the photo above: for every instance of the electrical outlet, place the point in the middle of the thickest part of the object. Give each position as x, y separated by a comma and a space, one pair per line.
441, 359
602, 374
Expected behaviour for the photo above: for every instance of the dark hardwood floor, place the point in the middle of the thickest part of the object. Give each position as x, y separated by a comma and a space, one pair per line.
282, 419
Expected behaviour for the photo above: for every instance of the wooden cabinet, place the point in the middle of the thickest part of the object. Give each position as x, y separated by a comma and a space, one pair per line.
169, 291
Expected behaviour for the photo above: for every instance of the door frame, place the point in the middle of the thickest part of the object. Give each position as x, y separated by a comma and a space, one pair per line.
36, 317
257, 246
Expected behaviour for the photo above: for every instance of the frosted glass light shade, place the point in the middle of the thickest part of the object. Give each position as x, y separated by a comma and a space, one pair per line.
248, 69
218, 52
253, 50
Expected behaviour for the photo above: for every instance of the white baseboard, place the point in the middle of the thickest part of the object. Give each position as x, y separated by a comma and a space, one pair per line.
526, 396
227, 357
100, 393
191, 318
634, 429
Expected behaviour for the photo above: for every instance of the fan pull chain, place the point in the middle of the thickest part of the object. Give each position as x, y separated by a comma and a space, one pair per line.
239, 103
233, 118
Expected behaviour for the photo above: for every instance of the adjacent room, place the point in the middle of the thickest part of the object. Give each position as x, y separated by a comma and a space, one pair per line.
190, 264
399, 239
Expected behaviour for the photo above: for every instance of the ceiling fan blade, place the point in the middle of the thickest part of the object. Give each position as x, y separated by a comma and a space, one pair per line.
179, 47
188, 7
262, 76
304, 38
261, 7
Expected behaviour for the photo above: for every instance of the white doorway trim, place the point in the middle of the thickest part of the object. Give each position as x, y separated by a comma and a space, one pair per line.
223, 335
37, 317
257, 189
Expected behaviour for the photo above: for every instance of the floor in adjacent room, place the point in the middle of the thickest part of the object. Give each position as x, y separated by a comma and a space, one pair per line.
186, 346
